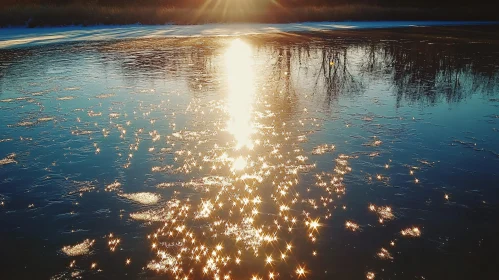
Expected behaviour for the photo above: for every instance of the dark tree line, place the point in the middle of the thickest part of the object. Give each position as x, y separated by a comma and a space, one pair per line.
261, 3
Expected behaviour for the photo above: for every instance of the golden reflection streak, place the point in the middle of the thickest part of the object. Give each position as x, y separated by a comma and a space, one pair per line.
198, 236
241, 88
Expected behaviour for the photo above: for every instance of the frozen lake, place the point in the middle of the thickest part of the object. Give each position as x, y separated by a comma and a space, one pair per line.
353, 154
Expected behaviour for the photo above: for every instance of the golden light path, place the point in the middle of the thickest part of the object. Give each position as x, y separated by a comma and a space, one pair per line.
253, 215
241, 90
242, 210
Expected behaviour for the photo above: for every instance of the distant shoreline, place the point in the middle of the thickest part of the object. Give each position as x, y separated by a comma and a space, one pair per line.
20, 37
90, 15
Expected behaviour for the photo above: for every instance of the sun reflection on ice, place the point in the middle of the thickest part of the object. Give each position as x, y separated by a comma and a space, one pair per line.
239, 164
241, 88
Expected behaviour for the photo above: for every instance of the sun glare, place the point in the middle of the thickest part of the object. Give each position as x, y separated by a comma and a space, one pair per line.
239, 65
239, 164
